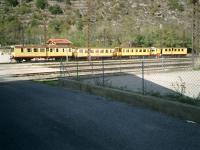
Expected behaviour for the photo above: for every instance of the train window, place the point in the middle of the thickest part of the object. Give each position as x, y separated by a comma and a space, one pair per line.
102, 51
56, 49
81, 51
182, 50
63, 50
28, 50
170, 50
41, 49
22, 50
106, 51
35, 50
144, 50
166, 50
140, 50
47, 49
97, 51
92, 51
51, 50
69, 50
175, 50
136, 50
179, 50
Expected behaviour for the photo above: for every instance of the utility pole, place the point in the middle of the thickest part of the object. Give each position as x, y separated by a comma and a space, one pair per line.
88, 28
91, 18
23, 36
195, 44
104, 37
45, 29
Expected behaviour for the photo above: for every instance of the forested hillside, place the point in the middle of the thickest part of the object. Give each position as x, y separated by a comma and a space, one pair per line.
111, 23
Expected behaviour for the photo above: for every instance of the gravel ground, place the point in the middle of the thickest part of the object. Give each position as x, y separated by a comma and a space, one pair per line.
39, 117
7, 71
186, 82
162, 83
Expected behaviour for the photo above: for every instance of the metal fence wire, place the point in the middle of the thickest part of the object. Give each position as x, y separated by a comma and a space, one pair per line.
162, 76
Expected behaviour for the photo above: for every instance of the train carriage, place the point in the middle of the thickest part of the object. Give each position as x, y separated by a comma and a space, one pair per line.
28, 52
103, 52
93, 52
174, 51
58, 52
136, 52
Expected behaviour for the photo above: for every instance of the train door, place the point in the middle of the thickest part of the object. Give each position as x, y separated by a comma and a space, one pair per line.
118, 52
47, 53
75, 53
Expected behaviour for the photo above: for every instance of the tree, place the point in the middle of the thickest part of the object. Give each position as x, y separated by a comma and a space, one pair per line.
28, 1
55, 9
174, 4
12, 2
68, 2
140, 40
41, 4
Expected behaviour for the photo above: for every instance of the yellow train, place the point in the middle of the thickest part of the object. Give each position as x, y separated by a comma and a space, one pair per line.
20, 53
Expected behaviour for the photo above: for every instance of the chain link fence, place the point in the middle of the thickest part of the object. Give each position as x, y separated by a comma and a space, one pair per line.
162, 77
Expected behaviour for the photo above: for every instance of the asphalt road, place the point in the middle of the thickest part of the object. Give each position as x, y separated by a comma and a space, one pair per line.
39, 117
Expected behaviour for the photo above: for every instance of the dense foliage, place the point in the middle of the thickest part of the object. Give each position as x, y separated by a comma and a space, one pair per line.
41, 4
12, 2
114, 23
174, 4
55, 9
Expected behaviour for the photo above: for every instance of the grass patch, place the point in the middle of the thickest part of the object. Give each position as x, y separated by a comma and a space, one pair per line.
183, 99
49, 82
176, 98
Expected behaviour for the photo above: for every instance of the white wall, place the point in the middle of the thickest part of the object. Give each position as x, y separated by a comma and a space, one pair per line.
4, 58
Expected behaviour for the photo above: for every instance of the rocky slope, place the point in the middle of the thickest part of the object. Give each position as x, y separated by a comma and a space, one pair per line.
111, 23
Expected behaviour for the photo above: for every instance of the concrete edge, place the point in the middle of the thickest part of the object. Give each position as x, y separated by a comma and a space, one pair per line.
183, 111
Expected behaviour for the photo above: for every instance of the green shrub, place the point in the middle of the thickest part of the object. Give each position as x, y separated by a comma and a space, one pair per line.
41, 4
175, 5
55, 10
12, 2
24, 9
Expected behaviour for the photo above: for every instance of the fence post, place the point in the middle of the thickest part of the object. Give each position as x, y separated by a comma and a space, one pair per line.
120, 68
92, 65
143, 77
61, 68
103, 71
162, 61
77, 69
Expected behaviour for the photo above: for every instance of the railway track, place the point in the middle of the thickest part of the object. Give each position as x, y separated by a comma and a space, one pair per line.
96, 69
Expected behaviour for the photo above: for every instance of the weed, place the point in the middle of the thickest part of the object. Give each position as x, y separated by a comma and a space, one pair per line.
179, 87
99, 82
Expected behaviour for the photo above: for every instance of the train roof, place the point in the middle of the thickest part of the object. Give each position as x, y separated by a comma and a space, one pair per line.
42, 46
59, 41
